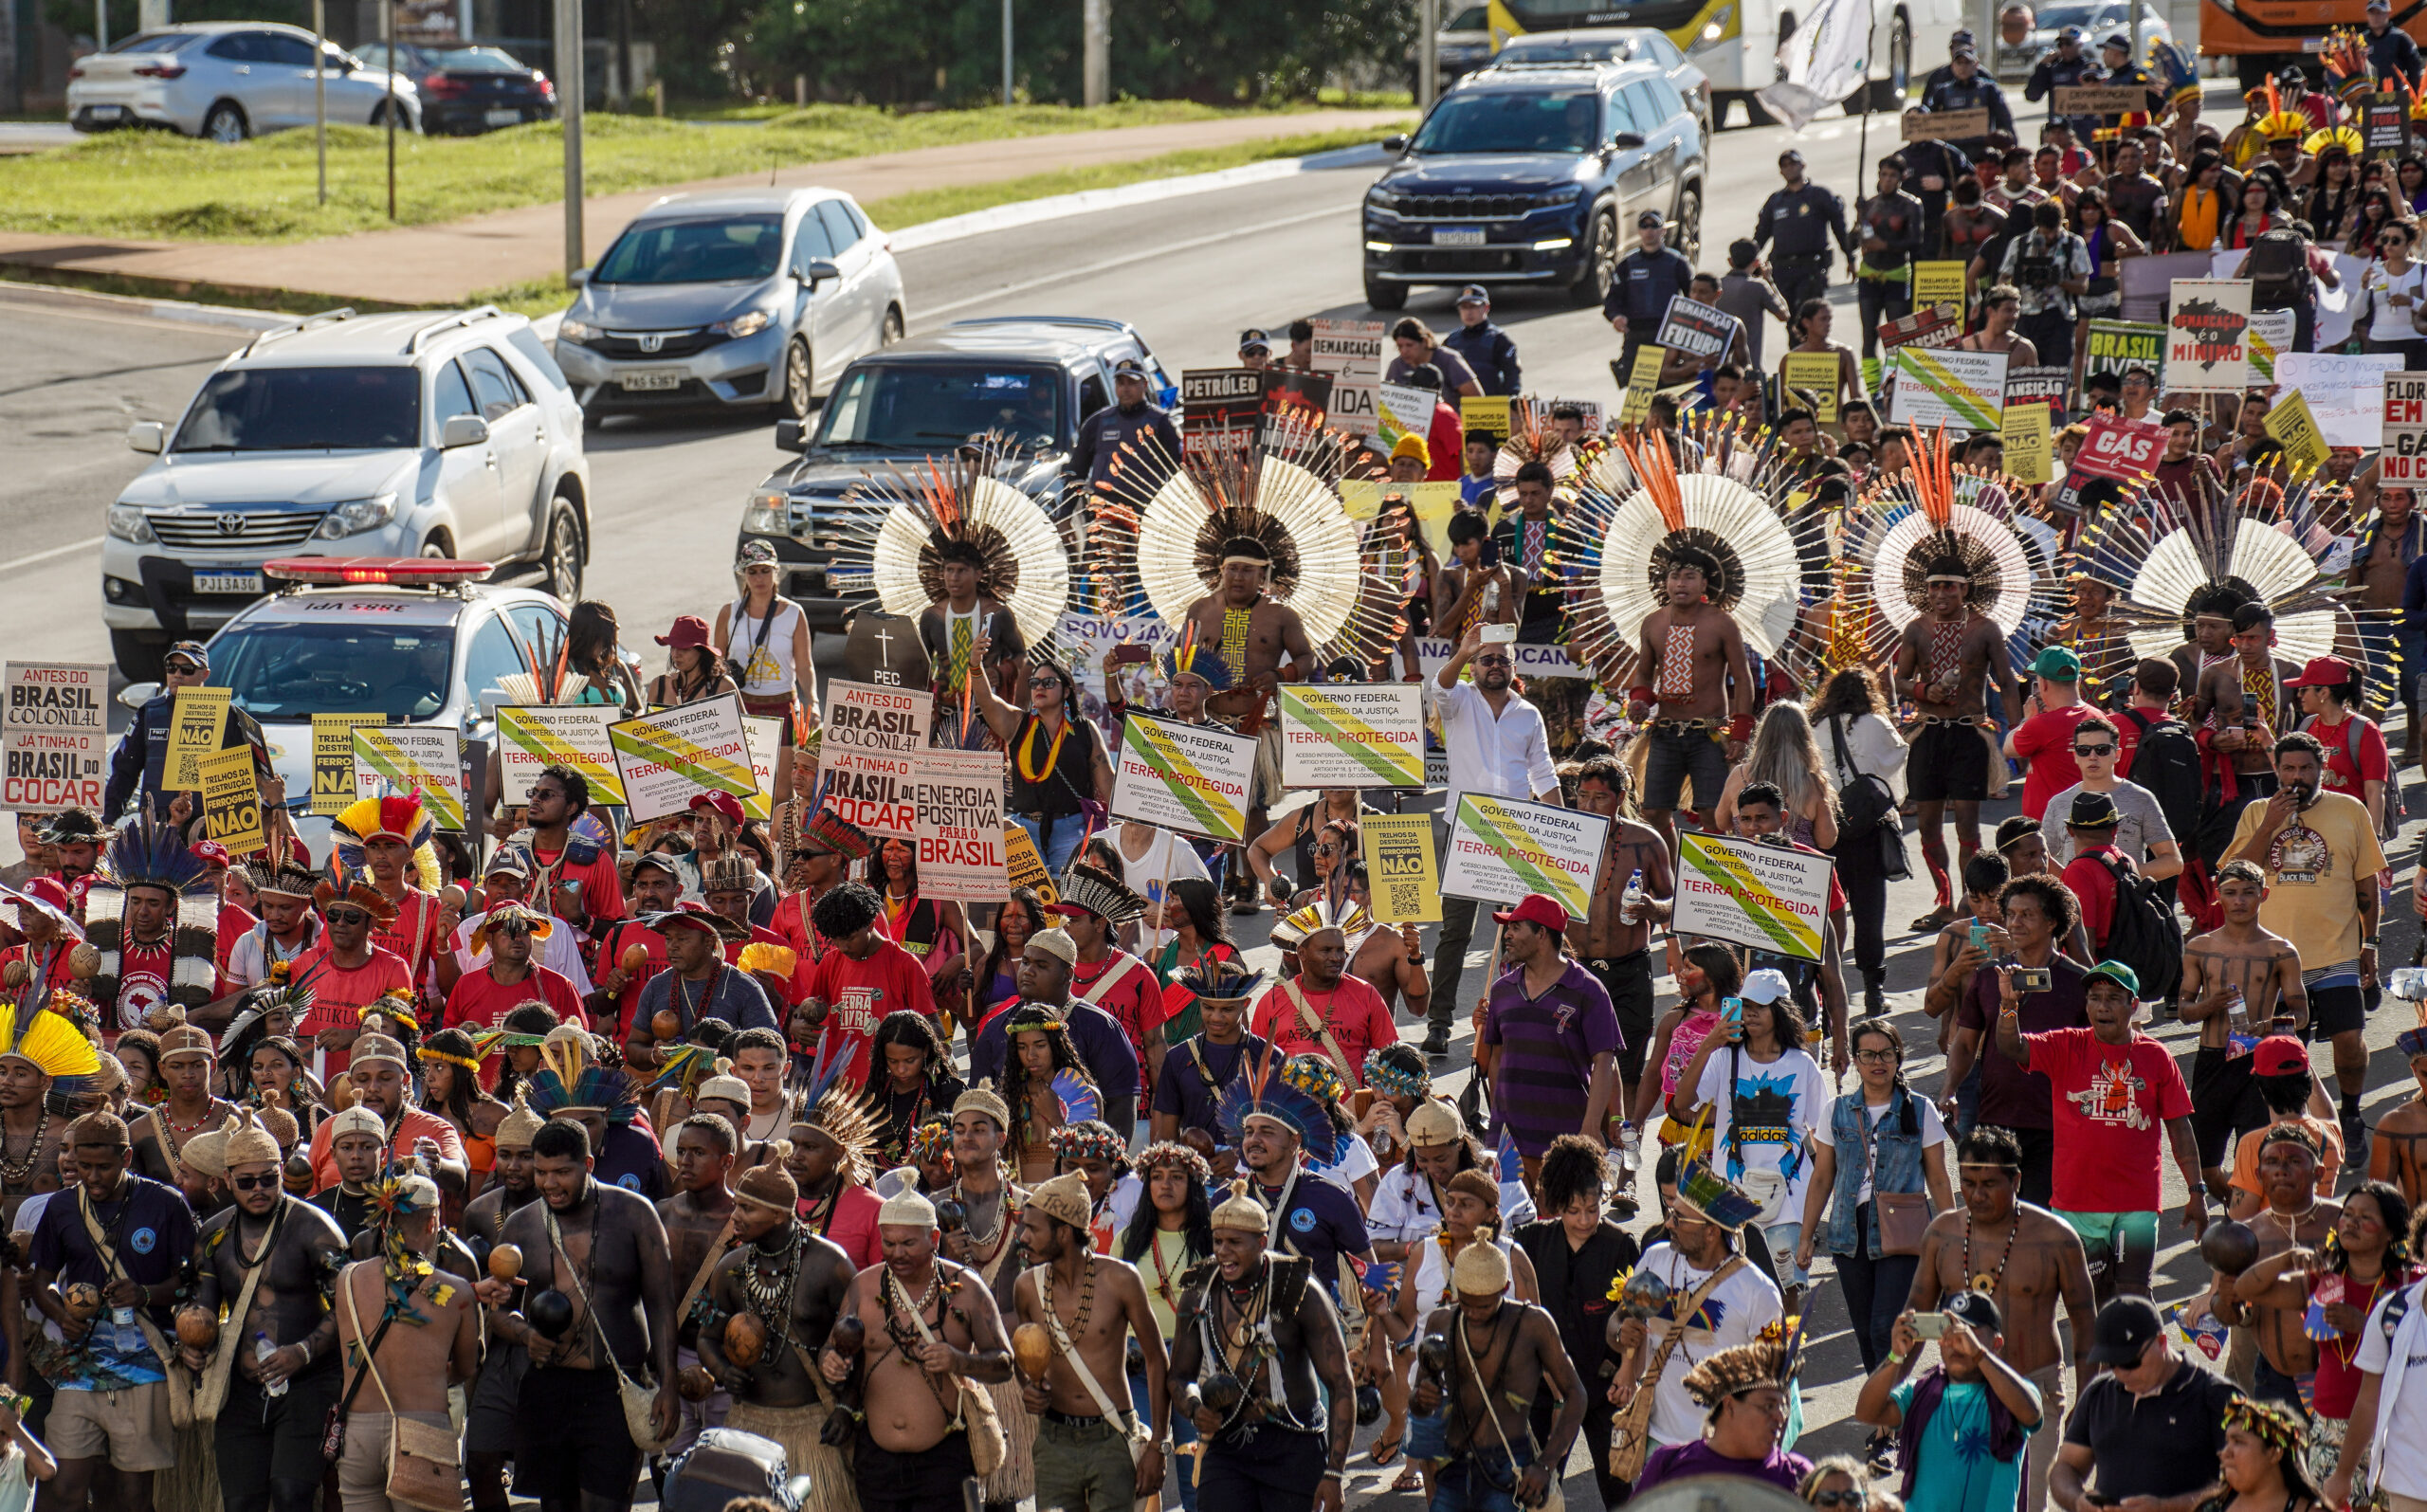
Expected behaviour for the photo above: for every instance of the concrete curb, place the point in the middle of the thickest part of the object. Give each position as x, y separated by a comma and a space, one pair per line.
184, 311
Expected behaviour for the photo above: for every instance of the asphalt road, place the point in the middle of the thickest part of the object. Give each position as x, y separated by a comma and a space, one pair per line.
1190, 272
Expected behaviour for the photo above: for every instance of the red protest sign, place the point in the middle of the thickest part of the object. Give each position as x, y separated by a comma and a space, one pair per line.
2120, 448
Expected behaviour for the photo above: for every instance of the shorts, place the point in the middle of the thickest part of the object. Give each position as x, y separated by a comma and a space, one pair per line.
919, 1481
1947, 762
1084, 1465
130, 1425
362, 1469
2225, 1102
569, 1439
773, 708
2337, 1009
1481, 1480
1676, 754
1783, 1238
1627, 981
497, 1396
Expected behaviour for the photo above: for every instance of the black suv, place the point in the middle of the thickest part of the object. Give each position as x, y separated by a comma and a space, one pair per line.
1031, 377
1534, 175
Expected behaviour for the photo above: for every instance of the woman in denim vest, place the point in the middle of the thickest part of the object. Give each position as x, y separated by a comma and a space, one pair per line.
1879, 1134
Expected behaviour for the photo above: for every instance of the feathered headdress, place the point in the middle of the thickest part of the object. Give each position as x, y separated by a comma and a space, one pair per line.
1316, 1075
1099, 893
1172, 1153
148, 853
955, 509
387, 816
1532, 437
2279, 124
402, 1193
2175, 70
569, 1081
282, 876
1227, 979
1735, 1371
1318, 915
931, 1141
1261, 1092
838, 1114
47, 1041
2345, 137
1090, 1138
829, 830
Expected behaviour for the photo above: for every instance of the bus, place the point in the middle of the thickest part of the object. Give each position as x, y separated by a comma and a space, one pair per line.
1736, 42
2261, 36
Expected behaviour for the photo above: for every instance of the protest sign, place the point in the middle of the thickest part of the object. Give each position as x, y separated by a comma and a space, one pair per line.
2207, 349
405, 758
1938, 282
2115, 345
1484, 411
1399, 869
1193, 779
1026, 869
197, 724
1352, 735
1696, 329
2026, 433
958, 795
2384, 125
1502, 848
1094, 650
572, 735
871, 734
1288, 391
2404, 459
231, 800
2120, 448
2344, 392
1933, 325
1813, 375
1529, 660
2098, 100
762, 737
1769, 897
1221, 412
2271, 336
2045, 386
1946, 125
1641, 384
332, 784
669, 756
56, 733
2291, 424
1355, 406
1404, 412
1942, 386
1349, 348
2146, 282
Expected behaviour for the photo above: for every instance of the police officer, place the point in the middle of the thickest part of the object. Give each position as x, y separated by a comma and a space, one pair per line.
1967, 88
139, 763
1128, 418
2068, 66
2391, 51
2115, 52
1961, 40
1255, 349
1486, 347
1800, 221
1647, 278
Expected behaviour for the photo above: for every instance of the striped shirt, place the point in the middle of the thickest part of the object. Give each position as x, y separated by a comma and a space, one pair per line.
1541, 1076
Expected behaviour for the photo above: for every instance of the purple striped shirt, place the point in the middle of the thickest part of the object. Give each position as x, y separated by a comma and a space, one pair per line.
1541, 1078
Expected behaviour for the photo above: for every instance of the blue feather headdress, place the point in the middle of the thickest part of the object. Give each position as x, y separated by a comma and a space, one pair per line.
569, 1081
826, 1103
147, 854
1262, 1093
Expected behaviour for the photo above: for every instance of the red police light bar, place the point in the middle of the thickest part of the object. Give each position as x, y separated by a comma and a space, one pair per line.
404, 571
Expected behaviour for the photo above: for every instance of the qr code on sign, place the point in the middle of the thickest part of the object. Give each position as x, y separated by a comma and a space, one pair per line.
1407, 899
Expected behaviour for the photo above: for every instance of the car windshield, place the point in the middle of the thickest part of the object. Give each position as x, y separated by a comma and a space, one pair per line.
1473, 18
922, 406
409, 60
732, 250
291, 672
1617, 48
305, 410
1511, 120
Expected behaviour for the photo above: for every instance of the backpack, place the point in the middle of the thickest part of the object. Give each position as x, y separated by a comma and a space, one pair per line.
2280, 271
1867, 809
2144, 934
2167, 763
2394, 811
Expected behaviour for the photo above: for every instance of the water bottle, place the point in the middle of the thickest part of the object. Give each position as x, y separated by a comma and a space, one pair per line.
1630, 1152
264, 1349
1630, 900
2409, 983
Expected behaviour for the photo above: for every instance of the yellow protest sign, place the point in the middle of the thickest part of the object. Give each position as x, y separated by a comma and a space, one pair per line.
1484, 411
1399, 864
231, 800
1937, 284
2027, 443
1025, 866
2295, 429
333, 787
413, 758
1813, 373
1642, 383
1766, 896
197, 724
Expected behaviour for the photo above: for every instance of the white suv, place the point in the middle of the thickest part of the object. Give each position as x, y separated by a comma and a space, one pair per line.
416, 435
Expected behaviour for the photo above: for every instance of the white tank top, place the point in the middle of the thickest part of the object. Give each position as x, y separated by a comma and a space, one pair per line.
766, 670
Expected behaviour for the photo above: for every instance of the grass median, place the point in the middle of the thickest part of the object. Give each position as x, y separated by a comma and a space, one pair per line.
154, 186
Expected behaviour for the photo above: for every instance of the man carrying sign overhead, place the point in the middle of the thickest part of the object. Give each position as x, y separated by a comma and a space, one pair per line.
140, 760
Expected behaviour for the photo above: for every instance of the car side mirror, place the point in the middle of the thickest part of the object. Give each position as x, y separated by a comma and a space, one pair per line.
815, 270
463, 430
1395, 144
1626, 142
791, 435
135, 695
147, 435
577, 279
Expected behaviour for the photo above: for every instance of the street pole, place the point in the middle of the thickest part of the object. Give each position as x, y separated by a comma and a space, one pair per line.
387, 35
101, 26
321, 94
1007, 51
570, 64
1095, 66
1428, 53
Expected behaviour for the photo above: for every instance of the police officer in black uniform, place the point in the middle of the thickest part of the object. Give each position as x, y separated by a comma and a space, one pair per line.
1956, 43
2115, 52
1647, 278
1800, 222
2391, 51
1967, 88
1932, 168
2068, 66
1128, 418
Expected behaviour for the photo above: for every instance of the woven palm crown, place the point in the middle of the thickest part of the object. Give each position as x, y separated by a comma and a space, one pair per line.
1102, 894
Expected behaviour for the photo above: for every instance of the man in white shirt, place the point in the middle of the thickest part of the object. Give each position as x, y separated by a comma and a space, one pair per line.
2388, 1422
1700, 1252
507, 879
1497, 745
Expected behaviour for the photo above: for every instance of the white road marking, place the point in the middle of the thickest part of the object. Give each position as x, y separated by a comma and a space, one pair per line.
38, 557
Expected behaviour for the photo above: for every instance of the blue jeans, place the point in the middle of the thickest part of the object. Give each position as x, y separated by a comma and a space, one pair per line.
1180, 1470
1481, 1480
1056, 839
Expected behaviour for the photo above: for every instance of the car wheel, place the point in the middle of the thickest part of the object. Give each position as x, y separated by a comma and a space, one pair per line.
1889, 94
891, 331
1385, 296
1687, 236
800, 382
563, 558
1592, 284
226, 123
436, 549
138, 656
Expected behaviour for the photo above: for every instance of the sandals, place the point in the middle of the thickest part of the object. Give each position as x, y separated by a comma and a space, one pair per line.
1384, 1452
1410, 1479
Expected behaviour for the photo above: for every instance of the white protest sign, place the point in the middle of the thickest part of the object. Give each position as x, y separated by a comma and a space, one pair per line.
1772, 898
56, 734
1352, 735
865, 757
2344, 391
1942, 386
669, 756
1502, 848
573, 734
402, 757
1528, 661
1191, 779
2207, 338
958, 795
1349, 350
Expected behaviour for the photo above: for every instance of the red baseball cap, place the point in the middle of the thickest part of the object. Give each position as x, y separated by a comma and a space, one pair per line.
211, 853
2321, 672
724, 803
2280, 1055
689, 631
1534, 908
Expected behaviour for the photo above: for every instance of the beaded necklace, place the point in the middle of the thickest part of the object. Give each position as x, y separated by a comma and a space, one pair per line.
15, 1173
1086, 1291
1988, 1281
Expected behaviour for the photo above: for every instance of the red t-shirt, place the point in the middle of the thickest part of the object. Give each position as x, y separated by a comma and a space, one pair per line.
2094, 886
233, 922
414, 937
2109, 1111
143, 979
481, 1001
792, 926
859, 992
613, 941
2046, 742
853, 1225
340, 996
1355, 1013
2338, 1378
602, 890
2342, 774
1133, 1000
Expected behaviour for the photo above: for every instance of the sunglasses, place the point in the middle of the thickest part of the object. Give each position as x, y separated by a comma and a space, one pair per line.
1837, 1499
253, 1183
2093, 750
1327, 850
1045, 682
346, 916
1492, 661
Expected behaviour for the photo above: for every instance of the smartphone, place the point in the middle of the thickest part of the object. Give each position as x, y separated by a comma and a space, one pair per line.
1489, 556
1499, 635
1980, 937
1929, 1325
1731, 1010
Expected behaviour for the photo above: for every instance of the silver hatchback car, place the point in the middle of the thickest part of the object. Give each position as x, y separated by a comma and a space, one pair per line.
228, 80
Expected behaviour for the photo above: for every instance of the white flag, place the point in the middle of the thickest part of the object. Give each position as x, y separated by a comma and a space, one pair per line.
1824, 61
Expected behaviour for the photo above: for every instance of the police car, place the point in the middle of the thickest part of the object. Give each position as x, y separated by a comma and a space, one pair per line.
419, 641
